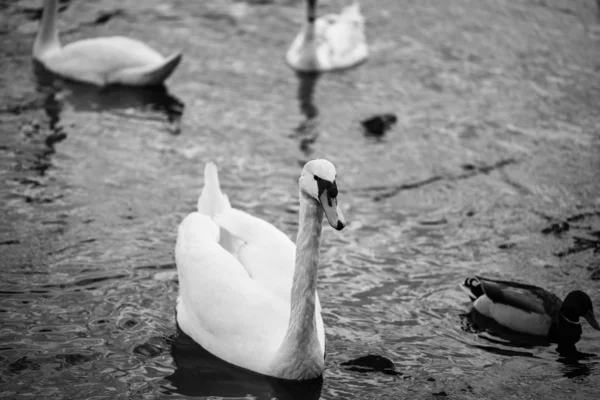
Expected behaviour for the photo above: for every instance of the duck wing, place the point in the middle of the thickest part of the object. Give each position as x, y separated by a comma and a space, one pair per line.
525, 297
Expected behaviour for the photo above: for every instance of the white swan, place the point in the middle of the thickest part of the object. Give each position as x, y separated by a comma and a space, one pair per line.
246, 293
100, 61
330, 42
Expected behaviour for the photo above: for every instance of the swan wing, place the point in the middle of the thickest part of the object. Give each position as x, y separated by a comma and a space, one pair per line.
219, 305
265, 252
269, 257
115, 59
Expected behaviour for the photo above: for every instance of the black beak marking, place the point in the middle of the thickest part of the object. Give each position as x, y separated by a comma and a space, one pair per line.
331, 188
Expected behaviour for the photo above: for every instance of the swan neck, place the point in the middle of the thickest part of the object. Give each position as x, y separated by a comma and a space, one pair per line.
47, 37
304, 285
300, 355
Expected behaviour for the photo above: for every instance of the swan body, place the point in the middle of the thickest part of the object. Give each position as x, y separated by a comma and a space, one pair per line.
331, 42
530, 309
247, 294
100, 61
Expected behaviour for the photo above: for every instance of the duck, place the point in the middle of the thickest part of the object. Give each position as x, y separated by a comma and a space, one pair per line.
114, 60
331, 42
247, 293
531, 310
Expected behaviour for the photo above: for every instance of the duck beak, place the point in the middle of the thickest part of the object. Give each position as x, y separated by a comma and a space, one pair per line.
591, 318
333, 212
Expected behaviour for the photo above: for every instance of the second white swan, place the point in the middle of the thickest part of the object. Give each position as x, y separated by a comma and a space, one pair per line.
246, 293
100, 61
331, 42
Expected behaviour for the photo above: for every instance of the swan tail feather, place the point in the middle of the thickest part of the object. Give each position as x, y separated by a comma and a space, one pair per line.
152, 75
212, 200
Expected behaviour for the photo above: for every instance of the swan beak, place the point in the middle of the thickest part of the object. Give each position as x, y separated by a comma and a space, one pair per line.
591, 318
333, 212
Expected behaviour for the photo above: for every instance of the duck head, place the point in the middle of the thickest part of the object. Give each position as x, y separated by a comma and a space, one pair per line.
318, 182
577, 304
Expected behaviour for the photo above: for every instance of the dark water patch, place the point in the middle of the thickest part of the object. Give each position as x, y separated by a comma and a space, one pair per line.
86, 97
72, 246
581, 244
580, 216
557, 228
371, 363
21, 365
106, 15
199, 373
87, 280
504, 352
9, 242
595, 275
434, 222
506, 246
149, 349
36, 147
21, 106
160, 267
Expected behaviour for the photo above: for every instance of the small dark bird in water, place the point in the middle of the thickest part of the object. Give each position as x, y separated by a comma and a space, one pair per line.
532, 310
378, 125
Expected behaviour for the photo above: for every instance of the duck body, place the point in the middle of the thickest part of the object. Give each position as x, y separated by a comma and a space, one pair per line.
245, 294
114, 60
531, 310
331, 42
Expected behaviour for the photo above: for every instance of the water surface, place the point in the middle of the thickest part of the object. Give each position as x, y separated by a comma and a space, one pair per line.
496, 140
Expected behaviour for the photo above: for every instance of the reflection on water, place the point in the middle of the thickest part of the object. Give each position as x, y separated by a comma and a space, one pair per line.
199, 373
574, 369
307, 82
87, 97
507, 336
308, 130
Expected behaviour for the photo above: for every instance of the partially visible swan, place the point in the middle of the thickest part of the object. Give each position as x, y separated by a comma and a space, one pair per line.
100, 61
330, 42
246, 293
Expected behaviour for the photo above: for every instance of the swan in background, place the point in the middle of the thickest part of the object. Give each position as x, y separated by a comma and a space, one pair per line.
100, 61
532, 310
247, 294
330, 42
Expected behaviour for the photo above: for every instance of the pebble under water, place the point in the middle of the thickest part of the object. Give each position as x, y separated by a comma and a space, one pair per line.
490, 167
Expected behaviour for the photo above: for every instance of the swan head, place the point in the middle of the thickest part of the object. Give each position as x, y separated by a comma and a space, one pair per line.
318, 181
